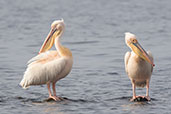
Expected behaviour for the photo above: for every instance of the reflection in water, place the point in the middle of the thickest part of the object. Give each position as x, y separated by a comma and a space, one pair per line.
52, 110
136, 106
50, 100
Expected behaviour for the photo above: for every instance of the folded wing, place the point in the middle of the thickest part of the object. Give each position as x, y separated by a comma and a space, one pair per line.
45, 67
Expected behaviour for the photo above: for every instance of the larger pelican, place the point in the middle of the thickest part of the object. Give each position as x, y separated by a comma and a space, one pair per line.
138, 65
49, 66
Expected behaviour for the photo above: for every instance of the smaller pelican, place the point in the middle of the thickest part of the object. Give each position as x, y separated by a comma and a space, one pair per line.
49, 66
138, 65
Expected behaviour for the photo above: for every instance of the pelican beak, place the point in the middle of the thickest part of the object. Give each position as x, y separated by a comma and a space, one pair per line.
49, 41
137, 48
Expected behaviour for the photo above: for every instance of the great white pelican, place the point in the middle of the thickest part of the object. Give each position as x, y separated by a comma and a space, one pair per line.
49, 66
138, 65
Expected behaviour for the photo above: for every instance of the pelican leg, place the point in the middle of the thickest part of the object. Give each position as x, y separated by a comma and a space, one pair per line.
54, 89
147, 90
48, 86
133, 90
54, 92
50, 93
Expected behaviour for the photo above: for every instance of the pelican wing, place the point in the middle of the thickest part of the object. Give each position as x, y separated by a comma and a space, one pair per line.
49, 55
127, 56
43, 68
151, 57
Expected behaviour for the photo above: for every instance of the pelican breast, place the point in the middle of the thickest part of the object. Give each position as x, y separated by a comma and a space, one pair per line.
137, 69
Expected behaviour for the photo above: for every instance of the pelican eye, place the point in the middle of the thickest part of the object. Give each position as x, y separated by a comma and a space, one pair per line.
134, 40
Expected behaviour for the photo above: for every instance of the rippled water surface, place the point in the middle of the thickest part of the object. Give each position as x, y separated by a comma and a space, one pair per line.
94, 32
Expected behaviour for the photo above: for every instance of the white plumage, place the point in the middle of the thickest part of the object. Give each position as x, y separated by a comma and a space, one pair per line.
138, 70
38, 73
49, 66
138, 64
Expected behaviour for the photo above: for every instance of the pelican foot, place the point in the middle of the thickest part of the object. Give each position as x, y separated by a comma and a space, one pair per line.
148, 98
133, 98
140, 99
55, 98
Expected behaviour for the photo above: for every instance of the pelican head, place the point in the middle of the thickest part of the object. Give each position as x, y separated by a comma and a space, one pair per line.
131, 41
57, 28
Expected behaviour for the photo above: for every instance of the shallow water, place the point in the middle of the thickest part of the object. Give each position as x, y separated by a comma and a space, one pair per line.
95, 34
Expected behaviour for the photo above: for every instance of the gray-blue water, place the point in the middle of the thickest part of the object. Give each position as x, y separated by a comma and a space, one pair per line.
94, 32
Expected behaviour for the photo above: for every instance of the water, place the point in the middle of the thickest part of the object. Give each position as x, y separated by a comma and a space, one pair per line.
94, 32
